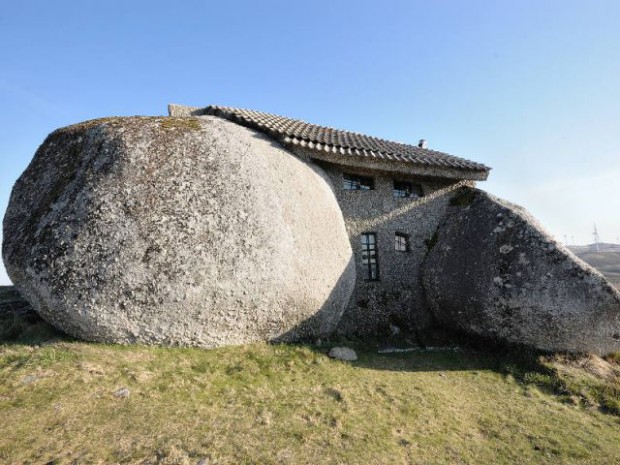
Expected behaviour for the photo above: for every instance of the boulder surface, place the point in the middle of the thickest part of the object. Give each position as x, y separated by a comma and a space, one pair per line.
177, 231
494, 272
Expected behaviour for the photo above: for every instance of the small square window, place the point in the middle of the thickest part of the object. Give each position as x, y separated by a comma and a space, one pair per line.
353, 182
407, 190
401, 242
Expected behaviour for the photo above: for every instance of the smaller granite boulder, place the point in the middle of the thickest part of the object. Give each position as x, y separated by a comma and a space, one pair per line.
494, 272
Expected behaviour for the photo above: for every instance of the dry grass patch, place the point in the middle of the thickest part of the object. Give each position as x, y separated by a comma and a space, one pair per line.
282, 404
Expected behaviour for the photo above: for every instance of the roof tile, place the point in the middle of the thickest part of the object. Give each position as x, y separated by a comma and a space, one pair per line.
346, 143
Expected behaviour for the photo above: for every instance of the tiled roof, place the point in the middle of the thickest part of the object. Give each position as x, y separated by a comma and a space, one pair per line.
338, 142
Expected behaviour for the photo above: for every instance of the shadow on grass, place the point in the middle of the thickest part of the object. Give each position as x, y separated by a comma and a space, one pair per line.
575, 379
20, 324
436, 351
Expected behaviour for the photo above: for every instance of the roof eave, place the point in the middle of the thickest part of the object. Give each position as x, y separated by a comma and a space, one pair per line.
393, 166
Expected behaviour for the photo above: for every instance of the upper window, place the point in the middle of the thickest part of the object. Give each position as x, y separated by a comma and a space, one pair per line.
353, 182
407, 190
369, 256
401, 242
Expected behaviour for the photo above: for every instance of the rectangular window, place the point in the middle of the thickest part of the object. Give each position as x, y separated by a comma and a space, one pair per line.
369, 256
401, 242
407, 190
357, 183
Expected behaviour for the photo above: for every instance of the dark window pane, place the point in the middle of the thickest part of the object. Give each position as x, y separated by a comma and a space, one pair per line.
352, 182
407, 190
401, 242
369, 256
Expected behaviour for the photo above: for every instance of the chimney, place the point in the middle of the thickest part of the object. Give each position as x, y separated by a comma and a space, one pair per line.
422, 144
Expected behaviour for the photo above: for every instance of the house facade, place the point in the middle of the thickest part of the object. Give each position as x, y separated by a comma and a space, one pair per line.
392, 197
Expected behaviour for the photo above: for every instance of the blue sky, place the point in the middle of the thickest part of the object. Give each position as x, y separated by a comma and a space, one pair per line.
530, 88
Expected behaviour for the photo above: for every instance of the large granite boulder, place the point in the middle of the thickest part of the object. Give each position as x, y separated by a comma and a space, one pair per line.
494, 272
181, 231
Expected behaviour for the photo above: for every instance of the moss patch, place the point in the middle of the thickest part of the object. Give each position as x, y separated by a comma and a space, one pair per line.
86, 125
464, 198
180, 123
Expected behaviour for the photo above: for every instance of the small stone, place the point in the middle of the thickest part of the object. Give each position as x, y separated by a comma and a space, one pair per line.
343, 353
30, 379
121, 393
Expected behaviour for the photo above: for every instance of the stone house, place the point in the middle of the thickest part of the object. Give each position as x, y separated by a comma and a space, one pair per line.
392, 198
219, 226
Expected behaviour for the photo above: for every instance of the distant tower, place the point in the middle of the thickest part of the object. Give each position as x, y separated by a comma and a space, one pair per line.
597, 239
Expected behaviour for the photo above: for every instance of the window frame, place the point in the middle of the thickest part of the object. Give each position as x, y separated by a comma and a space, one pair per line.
370, 255
401, 239
357, 182
411, 190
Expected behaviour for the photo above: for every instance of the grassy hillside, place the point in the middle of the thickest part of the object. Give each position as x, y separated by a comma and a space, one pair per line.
64, 402
606, 261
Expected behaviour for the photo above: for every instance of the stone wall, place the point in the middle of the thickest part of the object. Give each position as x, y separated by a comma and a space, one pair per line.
396, 299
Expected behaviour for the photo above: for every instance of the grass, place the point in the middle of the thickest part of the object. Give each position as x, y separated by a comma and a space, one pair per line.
61, 402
